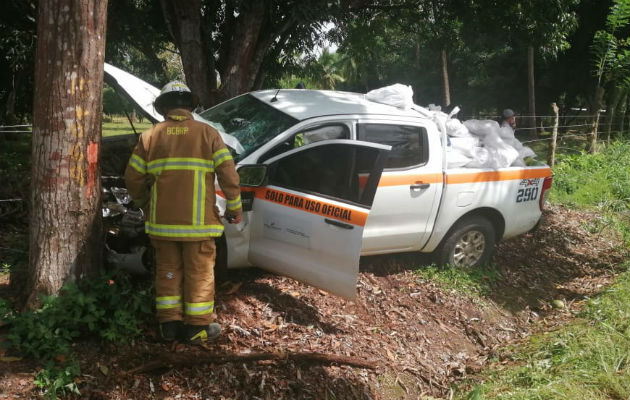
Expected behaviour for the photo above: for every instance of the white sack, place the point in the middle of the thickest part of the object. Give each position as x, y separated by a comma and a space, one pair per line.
456, 159
518, 163
481, 127
455, 128
396, 95
506, 132
465, 145
500, 152
526, 152
480, 158
514, 143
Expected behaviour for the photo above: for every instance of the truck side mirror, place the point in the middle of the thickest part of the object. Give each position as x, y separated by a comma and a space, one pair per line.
252, 175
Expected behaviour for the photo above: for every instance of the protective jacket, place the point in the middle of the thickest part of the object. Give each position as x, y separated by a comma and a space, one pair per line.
171, 174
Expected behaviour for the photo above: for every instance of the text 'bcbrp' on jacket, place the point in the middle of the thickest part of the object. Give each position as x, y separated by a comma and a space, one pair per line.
171, 175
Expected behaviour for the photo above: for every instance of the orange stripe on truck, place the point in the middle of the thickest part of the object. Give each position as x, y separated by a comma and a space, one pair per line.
400, 180
469, 177
334, 211
490, 176
328, 210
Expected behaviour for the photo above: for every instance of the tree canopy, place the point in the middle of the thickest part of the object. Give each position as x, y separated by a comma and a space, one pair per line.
226, 47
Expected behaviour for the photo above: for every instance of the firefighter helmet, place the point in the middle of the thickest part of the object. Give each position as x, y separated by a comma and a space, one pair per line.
174, 94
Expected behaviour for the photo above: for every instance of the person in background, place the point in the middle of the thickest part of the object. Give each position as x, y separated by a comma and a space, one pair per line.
508, 118
171, 174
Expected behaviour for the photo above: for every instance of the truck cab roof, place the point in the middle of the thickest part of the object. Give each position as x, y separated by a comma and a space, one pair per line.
303, 104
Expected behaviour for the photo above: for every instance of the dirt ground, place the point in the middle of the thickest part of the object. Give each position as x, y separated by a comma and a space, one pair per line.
402, 338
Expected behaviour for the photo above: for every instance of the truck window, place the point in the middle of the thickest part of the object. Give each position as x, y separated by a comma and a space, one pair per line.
252, 122
409, 143
336, 171
308, 136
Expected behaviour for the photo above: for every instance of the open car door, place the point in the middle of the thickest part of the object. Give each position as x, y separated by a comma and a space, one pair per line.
308, 216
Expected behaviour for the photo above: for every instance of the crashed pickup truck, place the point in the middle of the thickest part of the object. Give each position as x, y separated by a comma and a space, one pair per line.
328, 176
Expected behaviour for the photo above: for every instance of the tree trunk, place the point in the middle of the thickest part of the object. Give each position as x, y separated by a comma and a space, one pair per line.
447, 88
245, 54
611, 109
554, 136
183, 19
65, 221
531, 90
596, 106
10, 116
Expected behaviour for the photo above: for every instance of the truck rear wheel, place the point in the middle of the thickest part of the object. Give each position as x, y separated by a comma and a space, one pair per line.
468, 244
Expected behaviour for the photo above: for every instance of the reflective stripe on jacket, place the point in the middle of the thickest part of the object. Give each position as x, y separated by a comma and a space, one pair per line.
171, 174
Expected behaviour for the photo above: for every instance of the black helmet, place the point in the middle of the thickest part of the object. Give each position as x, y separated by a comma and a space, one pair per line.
173, 95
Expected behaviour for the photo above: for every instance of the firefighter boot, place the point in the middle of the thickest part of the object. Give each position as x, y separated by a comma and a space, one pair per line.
170, 330
198, 334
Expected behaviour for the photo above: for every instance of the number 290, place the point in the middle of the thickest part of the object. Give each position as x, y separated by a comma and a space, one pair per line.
527, 194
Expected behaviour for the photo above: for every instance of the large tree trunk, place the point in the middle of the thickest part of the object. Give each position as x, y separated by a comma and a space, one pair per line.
447, 87
531, 90
184, 21
65, 222
245, 53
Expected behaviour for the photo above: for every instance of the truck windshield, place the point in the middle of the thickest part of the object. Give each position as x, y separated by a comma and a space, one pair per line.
252, 122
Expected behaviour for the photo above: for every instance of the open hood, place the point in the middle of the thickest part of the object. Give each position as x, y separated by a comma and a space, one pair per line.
135, 90
143, 95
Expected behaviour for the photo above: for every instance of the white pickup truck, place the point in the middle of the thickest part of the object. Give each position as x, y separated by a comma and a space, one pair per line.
328, 176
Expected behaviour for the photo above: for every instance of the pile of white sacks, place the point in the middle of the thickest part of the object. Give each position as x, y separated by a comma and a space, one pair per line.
483, 144
471, 144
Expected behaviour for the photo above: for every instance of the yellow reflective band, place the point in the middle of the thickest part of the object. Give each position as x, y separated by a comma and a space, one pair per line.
137, 163
234, 204
195, 196
153, 202
199, 198
202, 200
189, 231
167, 302
199, 308
202, 336
220, 156
180, 163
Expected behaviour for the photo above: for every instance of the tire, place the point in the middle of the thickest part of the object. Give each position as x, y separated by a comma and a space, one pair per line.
469, 244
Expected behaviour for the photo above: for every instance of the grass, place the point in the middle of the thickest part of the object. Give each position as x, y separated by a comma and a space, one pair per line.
587, 359
597, 181
472, 282
120, 126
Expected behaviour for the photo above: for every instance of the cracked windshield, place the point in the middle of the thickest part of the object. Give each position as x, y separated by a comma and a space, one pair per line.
252, 122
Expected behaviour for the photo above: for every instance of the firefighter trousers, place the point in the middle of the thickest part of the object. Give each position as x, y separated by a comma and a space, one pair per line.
184, 281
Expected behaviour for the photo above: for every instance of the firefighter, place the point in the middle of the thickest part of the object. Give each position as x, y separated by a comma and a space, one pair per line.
171, 175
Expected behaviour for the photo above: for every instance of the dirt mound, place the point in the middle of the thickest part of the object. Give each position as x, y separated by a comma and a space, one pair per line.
413, 336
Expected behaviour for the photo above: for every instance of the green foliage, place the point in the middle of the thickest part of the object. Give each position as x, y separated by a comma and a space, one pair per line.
110, 309
611, 53
476, 281
584, 360
594, 180
113, 103
599, 181
56, 380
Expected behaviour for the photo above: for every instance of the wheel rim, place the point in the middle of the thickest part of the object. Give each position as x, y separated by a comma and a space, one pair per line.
469, 249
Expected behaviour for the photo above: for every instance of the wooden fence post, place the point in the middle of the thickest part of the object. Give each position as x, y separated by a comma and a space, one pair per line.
554, 136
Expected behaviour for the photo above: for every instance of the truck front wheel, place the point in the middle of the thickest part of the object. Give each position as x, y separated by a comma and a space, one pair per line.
469, 244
